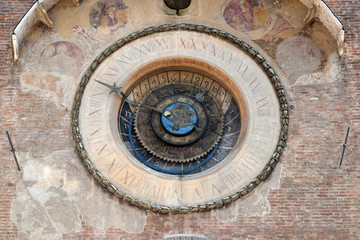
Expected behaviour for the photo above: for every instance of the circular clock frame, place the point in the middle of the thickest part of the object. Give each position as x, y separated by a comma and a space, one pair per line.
185, 206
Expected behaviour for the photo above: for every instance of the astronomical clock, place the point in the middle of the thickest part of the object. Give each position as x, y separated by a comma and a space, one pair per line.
180, 118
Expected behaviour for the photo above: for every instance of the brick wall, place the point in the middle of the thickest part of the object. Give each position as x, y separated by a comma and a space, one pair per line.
316, 199
10, 14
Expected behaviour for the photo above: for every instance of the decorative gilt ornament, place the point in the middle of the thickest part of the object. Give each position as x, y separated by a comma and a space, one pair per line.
180, 118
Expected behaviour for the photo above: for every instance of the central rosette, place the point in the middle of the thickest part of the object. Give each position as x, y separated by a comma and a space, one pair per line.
179, 123
182, 121
179, 118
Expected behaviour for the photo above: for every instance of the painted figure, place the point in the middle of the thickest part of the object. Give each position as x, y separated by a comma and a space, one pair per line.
61, 55
109, 15
244, 15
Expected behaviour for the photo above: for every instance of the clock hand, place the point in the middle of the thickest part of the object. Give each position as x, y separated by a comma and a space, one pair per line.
197, 128
113, 88
126, 99
116, 89
153, 108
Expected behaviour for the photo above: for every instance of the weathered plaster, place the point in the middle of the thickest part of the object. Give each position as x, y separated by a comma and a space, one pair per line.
65, 16
314, 79
332, 68
330, 75
254, 204
54, 196
298, 56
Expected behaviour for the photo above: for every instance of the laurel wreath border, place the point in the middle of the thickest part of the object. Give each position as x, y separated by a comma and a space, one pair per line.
163, 209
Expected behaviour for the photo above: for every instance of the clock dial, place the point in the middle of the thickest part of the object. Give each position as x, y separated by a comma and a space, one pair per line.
177, 128
180, 121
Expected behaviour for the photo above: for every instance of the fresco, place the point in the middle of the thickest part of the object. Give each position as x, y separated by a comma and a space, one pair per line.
246, 15
109, 15
281, 25
61, 48
62, 57
253, 18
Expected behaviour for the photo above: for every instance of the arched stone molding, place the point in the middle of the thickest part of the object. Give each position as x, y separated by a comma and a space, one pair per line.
38, 13
319, 9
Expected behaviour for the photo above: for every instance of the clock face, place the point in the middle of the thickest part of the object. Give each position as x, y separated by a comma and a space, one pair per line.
180, 121
184, 124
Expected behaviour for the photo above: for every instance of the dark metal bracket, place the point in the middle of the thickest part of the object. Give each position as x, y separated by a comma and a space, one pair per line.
344, 146
13, 150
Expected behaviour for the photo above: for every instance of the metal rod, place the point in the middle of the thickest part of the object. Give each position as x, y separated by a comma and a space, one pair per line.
344, 146
13, 150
